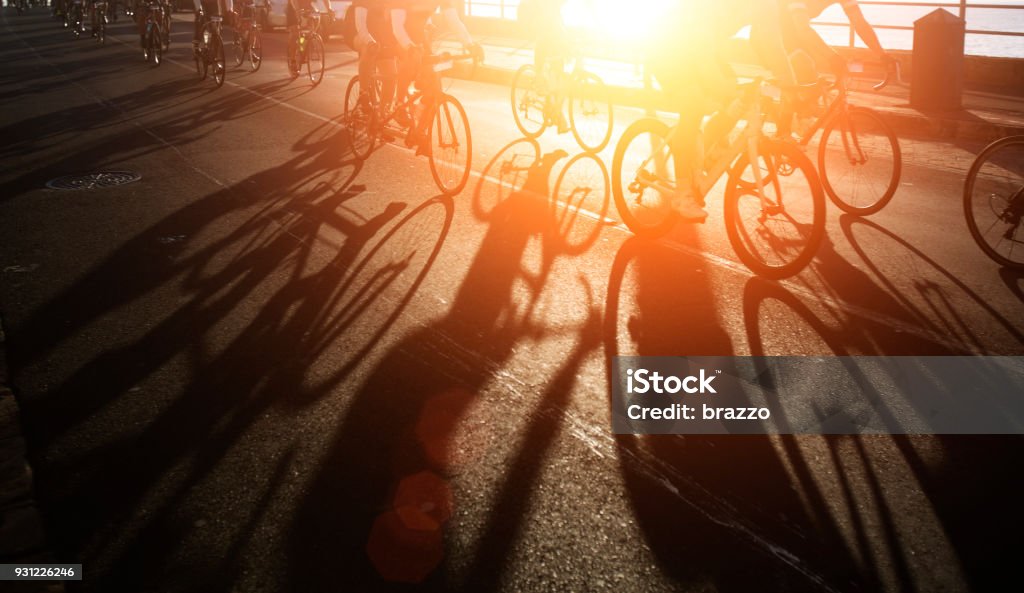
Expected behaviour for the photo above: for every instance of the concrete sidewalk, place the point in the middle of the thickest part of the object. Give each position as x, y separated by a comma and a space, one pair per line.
984, 117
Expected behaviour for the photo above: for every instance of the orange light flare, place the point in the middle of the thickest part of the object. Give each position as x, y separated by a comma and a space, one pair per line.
618, 29
628, 23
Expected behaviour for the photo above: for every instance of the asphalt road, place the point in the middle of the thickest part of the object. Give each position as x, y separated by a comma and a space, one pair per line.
269, 367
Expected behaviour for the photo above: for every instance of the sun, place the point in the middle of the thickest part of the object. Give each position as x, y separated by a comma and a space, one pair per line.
622, 21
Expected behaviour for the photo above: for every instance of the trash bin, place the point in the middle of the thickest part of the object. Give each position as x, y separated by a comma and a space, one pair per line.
937, 77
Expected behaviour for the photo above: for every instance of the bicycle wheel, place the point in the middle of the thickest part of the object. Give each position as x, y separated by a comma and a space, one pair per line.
238, 47
778, 237
590, 112
527, 103
165, 30
156, 51
101, 29
293, 62
994, 201
360, 120
255, 49
147, 42
158, 48
643, 159
218, 63
860, 162
316, 60
199, 54
451, 146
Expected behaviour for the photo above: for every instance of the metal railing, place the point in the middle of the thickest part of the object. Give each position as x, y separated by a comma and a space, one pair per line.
506, 9
962, 9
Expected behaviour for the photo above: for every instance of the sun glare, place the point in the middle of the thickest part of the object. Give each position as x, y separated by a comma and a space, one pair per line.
632, 21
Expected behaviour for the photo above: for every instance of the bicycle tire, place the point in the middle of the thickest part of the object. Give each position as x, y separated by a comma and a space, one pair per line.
359, 122
101, 29
292, 60
156, 47
450, 161
776, 156
590, 92
146, 43
238, 47
525, 101
870, 134
165, 29
199, 54
662, 216
255, 49
219, 64
1012, 191
316, 60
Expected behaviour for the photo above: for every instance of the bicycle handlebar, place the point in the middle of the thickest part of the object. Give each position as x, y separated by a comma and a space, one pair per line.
889, 71
450, 57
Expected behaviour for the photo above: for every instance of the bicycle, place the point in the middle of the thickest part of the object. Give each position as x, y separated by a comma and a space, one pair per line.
208, 52
450, 148
757, 215
537, 106
247, 39
308, 48
76, 18
859, 157
156, 36
994, 201
98, 18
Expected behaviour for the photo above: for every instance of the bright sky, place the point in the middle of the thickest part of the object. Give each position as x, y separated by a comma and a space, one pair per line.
620, 19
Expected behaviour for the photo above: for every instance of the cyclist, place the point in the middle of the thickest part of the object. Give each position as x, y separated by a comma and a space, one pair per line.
801, 38
545, 25
409, 21
208, 8
691, 69
293, 13
376, 45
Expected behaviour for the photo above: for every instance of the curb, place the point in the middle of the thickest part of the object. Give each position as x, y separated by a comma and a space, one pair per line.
905, 121
22, 539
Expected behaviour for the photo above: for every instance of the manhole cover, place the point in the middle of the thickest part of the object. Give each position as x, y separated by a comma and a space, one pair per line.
96, 180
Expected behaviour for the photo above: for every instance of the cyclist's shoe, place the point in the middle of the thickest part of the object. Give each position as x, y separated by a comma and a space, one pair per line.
685, 204
419, 140
403, 118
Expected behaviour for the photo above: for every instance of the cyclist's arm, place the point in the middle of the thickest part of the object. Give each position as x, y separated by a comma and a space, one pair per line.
808, 38
398, 28
363, 36
455, 24
863, 28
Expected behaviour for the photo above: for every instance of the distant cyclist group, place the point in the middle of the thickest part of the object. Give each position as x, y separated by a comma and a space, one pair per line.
755, 133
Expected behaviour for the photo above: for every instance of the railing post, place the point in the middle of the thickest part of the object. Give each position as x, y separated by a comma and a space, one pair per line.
963, 10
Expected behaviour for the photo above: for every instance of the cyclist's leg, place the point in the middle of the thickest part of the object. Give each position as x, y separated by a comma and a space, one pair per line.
680, 83
409, 62
292, 23
719, 81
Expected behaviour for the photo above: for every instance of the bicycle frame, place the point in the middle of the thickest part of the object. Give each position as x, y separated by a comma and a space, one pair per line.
430, 64
747, 140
